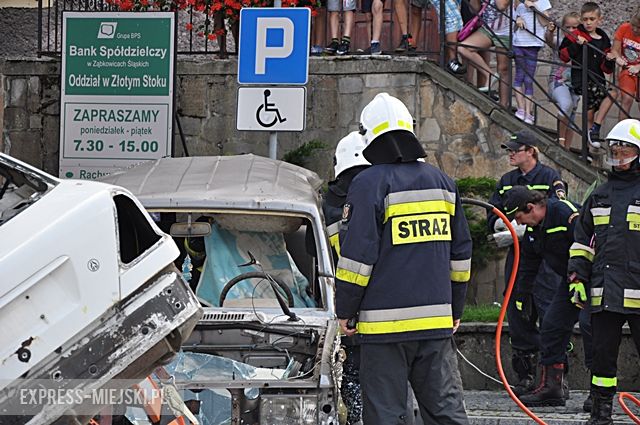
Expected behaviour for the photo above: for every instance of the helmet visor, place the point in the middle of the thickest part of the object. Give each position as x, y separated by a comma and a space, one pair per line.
620, 153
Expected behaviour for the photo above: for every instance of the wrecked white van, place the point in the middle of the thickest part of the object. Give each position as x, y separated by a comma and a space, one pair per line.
88, 290
255, 251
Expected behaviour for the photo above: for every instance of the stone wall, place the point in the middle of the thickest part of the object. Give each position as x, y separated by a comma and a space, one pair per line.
461, 130
476, 341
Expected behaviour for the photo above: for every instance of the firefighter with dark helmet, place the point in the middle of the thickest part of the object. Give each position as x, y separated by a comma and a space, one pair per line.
604, 264
405, 260
348, 163
530, 172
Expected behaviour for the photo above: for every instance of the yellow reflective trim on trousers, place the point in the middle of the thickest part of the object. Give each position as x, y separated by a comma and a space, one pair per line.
634, 226
633, 217
419, 207
600, 381
352, 277
600, 220
631, 303
573, 253
408, 325
334, 240
557, 229
457, 276
378, 128
596, 301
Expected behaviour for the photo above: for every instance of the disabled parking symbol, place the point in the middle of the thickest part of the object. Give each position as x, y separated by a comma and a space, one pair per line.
265, 113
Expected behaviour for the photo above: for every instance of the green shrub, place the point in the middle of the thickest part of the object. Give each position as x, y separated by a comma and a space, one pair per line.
299, 155
478, 188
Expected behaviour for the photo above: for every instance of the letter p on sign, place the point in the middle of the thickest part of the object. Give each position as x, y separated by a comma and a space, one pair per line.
263, 51
274, 45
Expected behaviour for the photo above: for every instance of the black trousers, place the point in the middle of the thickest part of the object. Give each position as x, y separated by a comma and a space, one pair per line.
557, 327
524, 335
430, 366
607, 335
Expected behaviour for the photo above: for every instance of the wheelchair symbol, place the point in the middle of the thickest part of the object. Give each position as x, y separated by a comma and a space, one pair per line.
267, 111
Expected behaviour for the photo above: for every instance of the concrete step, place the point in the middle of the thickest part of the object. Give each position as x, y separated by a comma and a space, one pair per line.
496, 408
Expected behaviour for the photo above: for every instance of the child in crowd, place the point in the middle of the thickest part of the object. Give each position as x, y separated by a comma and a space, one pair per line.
598, 98
626, 52
337, 46
531, 19
560, 81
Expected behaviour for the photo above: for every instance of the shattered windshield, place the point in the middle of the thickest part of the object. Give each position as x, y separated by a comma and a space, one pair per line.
19, 188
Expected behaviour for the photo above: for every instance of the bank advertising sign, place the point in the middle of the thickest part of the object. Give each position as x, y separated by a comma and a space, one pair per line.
117, 91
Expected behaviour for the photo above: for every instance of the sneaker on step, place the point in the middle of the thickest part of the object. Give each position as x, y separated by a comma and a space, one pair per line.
316, 50
405, 44
343, 49
594, 137
529, 119
520, 114
332, 48
375, 49
456, 67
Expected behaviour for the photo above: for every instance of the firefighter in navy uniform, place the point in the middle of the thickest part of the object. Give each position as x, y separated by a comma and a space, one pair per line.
531, 173
605, 263
348, 163
405, 260
549, 235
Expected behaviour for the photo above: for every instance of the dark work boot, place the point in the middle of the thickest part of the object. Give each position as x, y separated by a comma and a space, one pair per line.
550, 390
524, 364
601, 410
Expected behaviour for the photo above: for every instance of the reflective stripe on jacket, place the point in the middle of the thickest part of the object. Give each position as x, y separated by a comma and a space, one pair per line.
405, 253
549, 241
606, 253
541, 177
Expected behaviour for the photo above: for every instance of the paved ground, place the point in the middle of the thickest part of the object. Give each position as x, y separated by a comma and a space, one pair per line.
496, 408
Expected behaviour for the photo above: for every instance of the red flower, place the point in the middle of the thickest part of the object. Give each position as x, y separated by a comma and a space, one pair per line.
211, 37
144, 3
189, 26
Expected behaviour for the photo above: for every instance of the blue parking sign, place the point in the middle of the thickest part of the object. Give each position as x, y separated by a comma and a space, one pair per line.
274, 45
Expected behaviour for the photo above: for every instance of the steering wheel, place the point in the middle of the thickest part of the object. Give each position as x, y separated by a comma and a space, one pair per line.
253, 275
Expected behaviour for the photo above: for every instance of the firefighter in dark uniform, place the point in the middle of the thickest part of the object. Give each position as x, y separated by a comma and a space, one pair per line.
605, 263
531, 173
404, 263
348, 163
550, 224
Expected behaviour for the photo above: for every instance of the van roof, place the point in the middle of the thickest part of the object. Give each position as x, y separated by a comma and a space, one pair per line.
222, 182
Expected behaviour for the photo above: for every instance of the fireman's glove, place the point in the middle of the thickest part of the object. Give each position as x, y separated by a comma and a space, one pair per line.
578, 294
524, 305
502, 239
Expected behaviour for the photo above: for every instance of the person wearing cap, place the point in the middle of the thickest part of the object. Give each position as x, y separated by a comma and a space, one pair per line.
348, 162
604, 264
405, 260
532, 174
550, 224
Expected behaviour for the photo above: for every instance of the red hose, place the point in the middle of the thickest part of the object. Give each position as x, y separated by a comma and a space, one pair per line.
503, 312
628, 411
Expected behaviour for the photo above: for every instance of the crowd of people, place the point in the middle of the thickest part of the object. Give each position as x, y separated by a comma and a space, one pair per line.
402, 248
476, 30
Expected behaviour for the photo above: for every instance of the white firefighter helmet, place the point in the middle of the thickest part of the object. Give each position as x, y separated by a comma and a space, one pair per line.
625, 134
349, 153
383, 114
